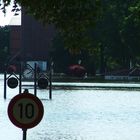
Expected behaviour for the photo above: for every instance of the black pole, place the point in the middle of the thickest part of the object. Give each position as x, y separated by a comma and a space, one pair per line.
35, 79
20, 78
24, 134
5, 73
50, 85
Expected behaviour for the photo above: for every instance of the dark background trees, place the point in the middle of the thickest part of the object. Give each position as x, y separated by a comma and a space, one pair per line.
118, 32
104, 35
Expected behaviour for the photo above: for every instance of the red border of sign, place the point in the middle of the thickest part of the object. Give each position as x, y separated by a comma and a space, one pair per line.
21, 96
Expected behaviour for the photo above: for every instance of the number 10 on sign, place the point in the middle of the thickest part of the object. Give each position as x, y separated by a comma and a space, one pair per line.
25, 110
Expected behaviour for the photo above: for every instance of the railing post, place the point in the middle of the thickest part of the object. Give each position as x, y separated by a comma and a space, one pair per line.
35, 79
20, 79
50, 80
5, 89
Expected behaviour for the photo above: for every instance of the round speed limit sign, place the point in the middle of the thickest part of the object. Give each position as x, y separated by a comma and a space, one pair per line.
25, 110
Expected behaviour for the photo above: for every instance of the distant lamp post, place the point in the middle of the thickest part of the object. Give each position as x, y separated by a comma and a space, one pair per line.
79, 61
52, 70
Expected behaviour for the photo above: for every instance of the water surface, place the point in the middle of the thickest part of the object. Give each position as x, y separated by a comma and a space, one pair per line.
79, 115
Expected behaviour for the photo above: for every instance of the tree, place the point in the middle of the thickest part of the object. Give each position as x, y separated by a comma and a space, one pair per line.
129, 28
116, 35
71, 18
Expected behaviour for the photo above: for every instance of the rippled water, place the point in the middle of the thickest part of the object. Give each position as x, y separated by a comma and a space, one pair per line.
79, 115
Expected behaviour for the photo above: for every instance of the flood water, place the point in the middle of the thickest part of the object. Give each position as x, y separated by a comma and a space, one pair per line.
79, 115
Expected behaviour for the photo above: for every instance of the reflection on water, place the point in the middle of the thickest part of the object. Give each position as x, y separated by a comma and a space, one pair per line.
80, 115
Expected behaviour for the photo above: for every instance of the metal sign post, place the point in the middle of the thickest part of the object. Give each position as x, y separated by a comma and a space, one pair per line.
50, 85
12, 81
35, 79
24, 134
50, 80
5, 89
40, 78
25, 111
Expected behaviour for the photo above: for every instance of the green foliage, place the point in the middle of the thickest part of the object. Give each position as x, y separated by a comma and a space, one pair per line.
118, 32
72, 18
135, 12
101, 32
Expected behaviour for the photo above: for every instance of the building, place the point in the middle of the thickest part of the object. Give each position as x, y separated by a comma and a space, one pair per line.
29, 39
36, 39
15, 38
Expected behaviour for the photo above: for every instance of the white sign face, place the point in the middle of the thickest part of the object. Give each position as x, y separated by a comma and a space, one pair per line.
25, 110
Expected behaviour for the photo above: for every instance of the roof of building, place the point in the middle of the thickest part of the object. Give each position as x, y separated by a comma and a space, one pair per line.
15, 20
